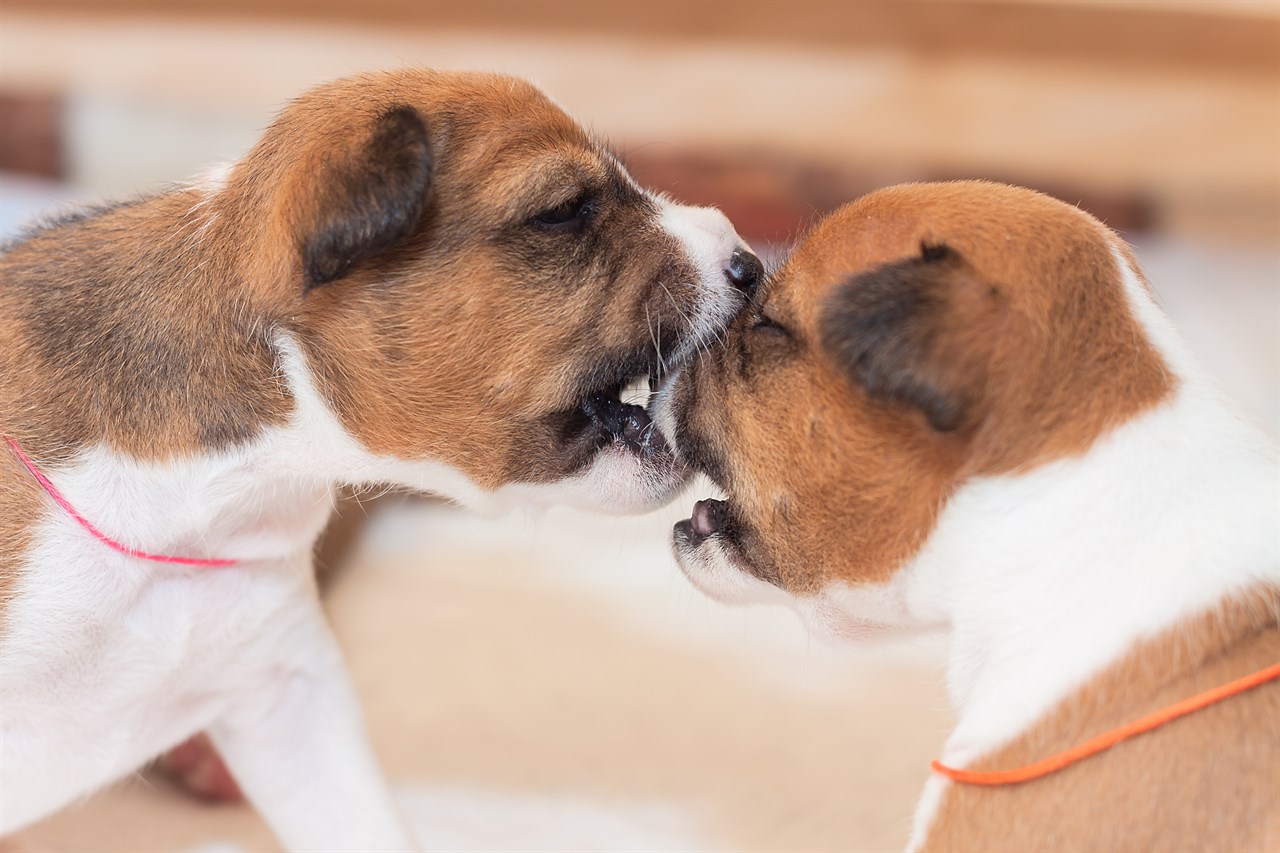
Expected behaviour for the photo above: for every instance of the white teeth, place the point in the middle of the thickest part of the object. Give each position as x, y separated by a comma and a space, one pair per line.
636, 391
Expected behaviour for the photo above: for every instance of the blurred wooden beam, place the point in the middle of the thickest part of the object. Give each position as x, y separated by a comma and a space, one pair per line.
777, 132
774, 197
1224, 36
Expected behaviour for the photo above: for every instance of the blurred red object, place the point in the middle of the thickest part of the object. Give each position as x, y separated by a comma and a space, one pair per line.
196, 766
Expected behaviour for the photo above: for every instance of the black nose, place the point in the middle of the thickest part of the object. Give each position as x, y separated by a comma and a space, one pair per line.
745, 271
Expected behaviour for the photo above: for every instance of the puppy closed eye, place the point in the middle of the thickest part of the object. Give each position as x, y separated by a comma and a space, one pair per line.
765, 342
568, 217
763, 326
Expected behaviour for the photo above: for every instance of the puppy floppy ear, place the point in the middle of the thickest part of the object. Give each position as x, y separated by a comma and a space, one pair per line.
899, 331
366, 199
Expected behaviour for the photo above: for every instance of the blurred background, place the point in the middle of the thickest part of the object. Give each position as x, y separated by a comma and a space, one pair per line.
550, 682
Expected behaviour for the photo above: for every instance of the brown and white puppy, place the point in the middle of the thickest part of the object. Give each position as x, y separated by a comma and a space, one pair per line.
958, 407
427, 279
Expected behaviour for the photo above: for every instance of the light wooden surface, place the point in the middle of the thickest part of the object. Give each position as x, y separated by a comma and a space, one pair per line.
1223, 34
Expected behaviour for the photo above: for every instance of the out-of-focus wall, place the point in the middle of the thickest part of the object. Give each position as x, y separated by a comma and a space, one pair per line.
1154, 115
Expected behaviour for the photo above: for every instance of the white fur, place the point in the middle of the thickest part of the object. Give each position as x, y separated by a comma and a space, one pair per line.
709, 240
1042, 579
108, 660
711, 569
213, 179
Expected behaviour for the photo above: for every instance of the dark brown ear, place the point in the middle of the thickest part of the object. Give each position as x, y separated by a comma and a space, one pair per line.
891, 330
369, 199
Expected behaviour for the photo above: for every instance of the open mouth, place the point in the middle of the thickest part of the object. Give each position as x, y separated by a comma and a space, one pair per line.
622, 415
717, 552
616, 416
710, 518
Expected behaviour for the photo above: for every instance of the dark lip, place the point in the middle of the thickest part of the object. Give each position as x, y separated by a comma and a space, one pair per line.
711, 520
682, 533
711, 517
612, 422
627, 424
598, 422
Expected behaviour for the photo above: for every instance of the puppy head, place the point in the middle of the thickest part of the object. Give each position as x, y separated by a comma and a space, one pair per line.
474, 280
919, 337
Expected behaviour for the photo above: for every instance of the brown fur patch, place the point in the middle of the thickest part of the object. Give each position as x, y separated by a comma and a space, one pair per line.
133, 326
917, 337
1209, 781
20, 507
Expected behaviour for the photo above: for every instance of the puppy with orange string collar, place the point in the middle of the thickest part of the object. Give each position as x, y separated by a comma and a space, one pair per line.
958, 407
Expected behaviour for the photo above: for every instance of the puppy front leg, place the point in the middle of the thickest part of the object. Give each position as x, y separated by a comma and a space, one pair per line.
298, 748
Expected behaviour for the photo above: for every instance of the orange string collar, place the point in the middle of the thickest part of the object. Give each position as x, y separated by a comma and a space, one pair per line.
1105, 741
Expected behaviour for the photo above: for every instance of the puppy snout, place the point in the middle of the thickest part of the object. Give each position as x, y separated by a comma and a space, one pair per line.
744, 271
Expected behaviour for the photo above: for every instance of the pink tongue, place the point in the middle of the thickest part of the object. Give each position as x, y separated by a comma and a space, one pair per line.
703, 522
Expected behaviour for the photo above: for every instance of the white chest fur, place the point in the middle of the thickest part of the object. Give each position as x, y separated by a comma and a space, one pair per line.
107, 659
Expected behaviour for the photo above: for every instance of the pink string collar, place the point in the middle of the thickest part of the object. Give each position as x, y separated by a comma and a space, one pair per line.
98, 534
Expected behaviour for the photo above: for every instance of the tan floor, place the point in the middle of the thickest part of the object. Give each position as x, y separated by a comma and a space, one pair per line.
551, 683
